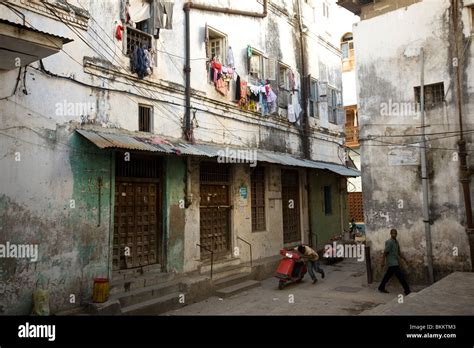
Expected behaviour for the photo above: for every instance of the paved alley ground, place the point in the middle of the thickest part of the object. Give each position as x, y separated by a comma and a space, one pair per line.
344, 291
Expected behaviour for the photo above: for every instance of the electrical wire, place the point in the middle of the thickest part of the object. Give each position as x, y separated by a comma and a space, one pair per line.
98, 52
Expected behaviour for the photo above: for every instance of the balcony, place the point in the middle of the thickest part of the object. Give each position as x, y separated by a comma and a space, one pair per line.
352, 136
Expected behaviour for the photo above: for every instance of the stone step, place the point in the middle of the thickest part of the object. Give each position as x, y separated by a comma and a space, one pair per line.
135, 272
154, 306
219, 264
131, 283
231, 271
139, 295
231, 280
237, 288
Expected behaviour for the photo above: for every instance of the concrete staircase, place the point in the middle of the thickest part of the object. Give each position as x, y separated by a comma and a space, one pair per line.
148, 291
133, 292
230, 277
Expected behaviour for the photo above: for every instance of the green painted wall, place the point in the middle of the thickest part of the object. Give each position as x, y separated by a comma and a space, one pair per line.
174, 212
90, 221
326, 226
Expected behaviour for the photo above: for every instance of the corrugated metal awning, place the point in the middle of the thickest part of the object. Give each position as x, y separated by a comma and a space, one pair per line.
154, 143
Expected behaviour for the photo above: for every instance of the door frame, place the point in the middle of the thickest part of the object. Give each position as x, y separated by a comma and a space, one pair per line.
160, 214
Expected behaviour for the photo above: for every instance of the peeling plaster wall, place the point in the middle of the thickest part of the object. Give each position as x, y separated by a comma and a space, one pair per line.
388, 69
50, 198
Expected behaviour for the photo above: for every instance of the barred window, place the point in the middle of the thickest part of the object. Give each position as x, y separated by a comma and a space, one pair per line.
257, 179
145, 123
434, 95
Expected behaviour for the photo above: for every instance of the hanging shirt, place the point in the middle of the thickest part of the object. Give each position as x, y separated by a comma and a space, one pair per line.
291, 113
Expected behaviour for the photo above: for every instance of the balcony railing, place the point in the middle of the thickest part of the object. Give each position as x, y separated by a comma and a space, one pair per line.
352, 136
137, 38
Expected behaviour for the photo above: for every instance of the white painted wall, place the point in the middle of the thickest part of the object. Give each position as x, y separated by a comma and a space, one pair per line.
388, 69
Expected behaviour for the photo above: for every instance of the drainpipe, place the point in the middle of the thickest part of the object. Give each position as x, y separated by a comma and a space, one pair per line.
187, 71
306, 132
187, 68
464, 172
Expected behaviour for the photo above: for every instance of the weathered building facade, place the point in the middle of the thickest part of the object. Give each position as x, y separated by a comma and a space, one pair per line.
395, 41
119, 151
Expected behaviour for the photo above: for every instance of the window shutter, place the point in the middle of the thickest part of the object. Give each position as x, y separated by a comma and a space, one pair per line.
249, 57
339, 98
254, 64
206, 41
270, 69
341, 116
323, 114
323, 90
309, 95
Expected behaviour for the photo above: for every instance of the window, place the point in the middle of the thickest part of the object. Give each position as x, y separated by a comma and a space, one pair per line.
216, 45
283, 86
140, 36
257, 179
256, 65
145, 118
283, 80
327, 200
434, 95
347, 46
313, 98
347, 49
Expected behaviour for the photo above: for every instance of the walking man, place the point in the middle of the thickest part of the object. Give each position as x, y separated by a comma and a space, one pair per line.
393, 255
312, 261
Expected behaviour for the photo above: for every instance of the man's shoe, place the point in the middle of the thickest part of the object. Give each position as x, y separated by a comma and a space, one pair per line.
314, 280
384, 291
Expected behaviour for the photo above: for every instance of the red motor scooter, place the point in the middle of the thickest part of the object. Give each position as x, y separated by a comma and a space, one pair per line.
291, 268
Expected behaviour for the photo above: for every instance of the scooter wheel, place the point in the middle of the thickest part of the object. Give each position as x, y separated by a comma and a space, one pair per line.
281, 285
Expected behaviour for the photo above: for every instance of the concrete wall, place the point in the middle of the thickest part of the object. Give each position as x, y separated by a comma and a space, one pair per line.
388, 69
326, 226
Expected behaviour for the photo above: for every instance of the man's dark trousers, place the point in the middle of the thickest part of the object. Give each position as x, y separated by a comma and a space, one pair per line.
399, 274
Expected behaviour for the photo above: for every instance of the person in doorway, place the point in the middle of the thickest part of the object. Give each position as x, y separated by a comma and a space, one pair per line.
311, 258
392, 255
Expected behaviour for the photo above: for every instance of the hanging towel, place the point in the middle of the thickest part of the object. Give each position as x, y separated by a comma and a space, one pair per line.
222, 87
230, 58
